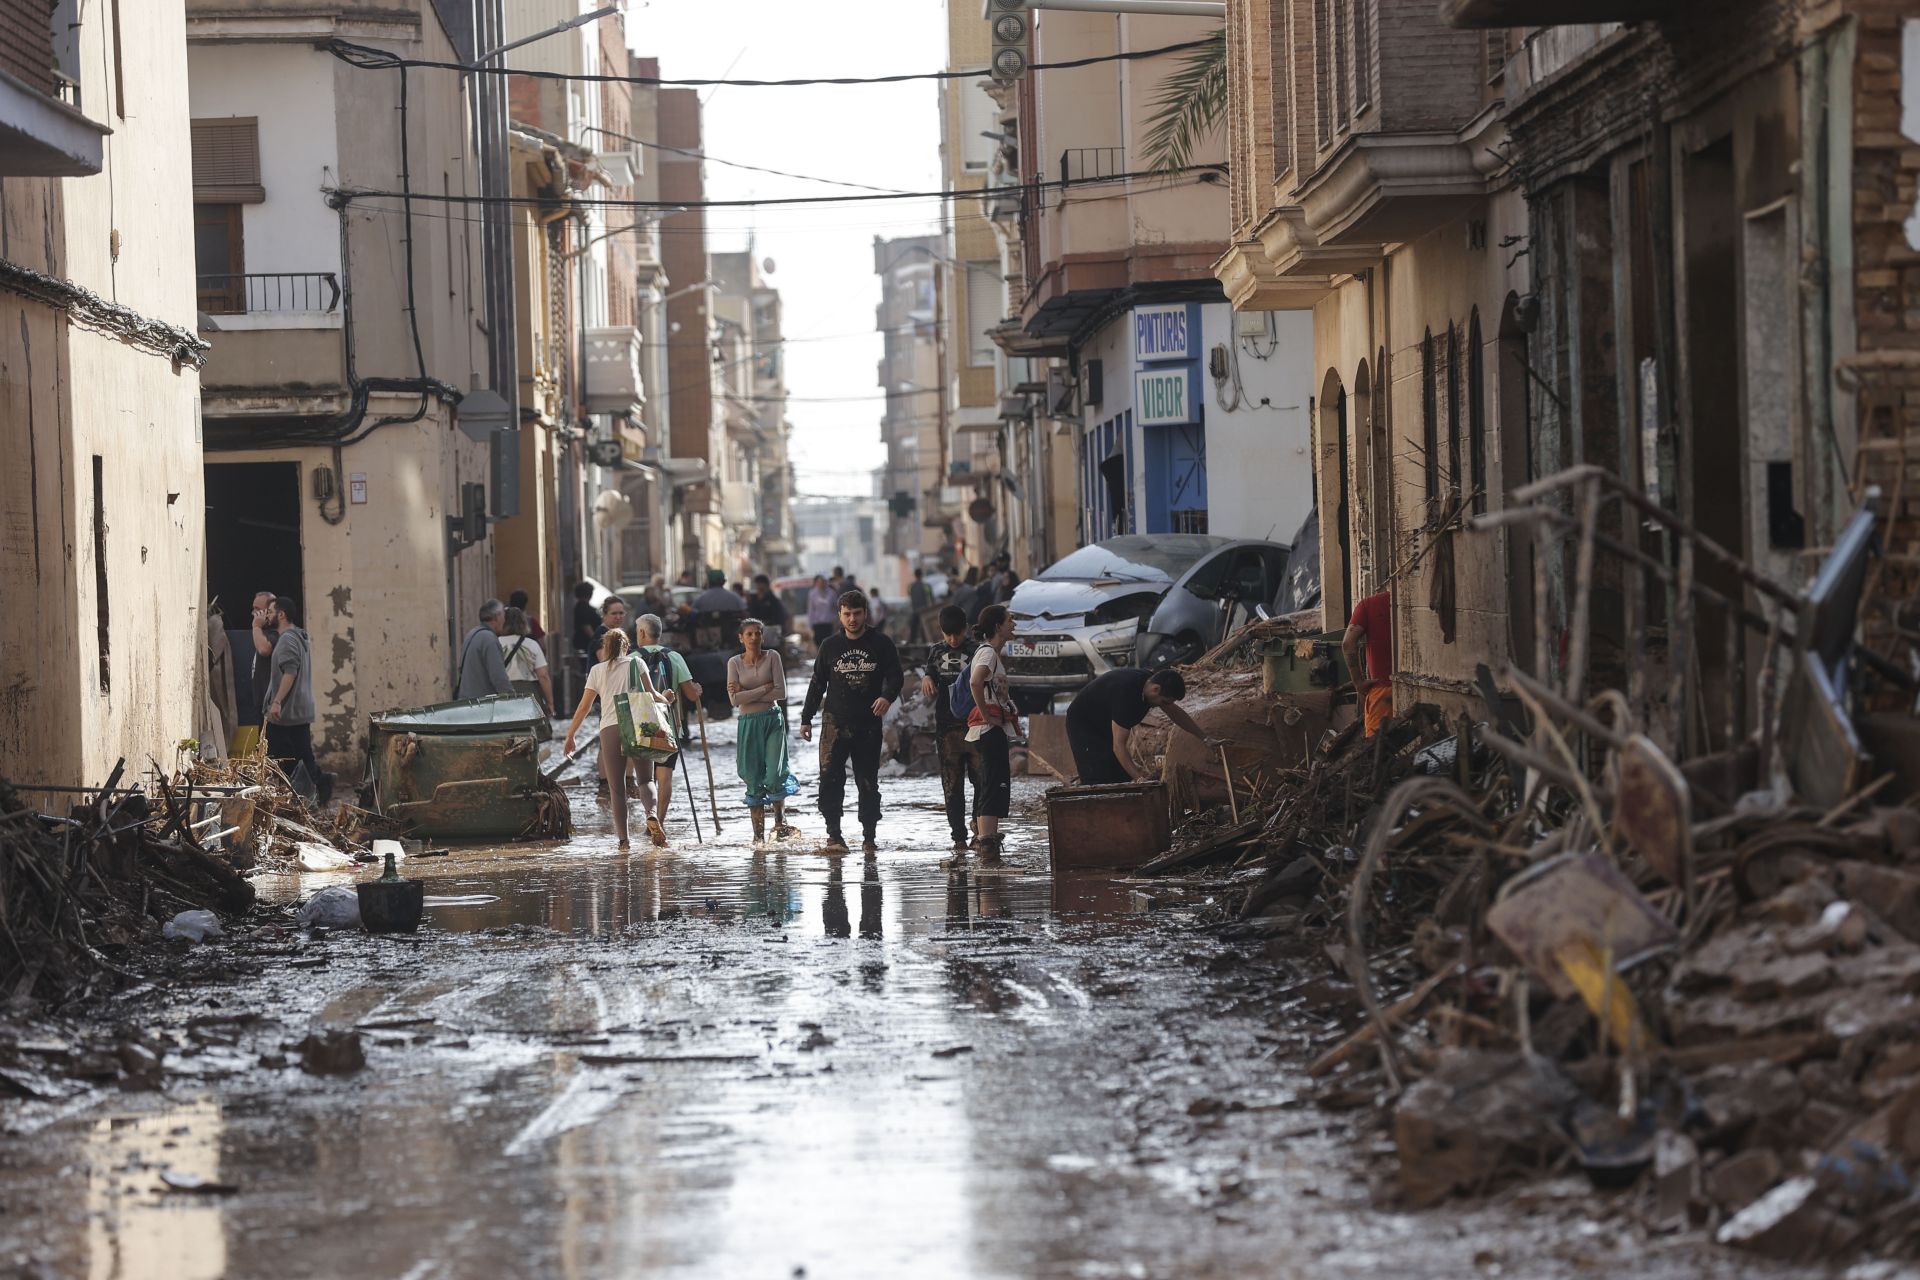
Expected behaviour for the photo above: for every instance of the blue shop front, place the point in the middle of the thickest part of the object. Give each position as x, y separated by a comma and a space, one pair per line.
1143, 455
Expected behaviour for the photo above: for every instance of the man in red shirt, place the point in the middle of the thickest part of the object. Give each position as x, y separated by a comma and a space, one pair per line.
1372, 623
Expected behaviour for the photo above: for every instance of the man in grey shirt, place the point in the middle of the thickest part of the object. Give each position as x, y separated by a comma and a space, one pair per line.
483, 670
289, 712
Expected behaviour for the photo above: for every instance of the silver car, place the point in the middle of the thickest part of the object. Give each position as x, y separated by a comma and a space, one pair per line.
1157, 595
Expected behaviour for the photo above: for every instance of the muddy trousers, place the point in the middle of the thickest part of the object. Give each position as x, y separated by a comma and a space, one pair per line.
1092, 743
959, 769
613, 767
858, 745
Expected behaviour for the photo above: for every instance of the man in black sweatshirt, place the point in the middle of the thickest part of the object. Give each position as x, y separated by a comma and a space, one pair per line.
857, 676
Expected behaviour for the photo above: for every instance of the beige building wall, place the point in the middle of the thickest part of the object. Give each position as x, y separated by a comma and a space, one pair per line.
104, 633
386, 599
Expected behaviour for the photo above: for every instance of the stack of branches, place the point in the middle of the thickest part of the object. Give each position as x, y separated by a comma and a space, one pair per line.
266, 820
78, 892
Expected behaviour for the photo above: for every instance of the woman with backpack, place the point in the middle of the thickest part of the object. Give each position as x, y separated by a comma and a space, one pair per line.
993, 723
526, 660
616, 670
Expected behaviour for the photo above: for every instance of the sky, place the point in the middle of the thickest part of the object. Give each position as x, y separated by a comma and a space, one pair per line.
881, 135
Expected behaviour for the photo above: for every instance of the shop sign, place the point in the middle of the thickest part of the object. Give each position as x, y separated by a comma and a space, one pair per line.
1162, 333
1162, 397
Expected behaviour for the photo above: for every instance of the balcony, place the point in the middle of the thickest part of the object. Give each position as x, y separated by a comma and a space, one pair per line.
613, 383
271, 300
41, 136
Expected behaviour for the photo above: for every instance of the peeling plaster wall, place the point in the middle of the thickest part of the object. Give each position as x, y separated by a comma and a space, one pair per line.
67, 395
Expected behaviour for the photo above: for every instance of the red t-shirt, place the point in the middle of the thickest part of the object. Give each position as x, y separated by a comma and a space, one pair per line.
1374, 615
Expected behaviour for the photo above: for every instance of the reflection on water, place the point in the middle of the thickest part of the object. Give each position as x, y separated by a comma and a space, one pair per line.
138, 1230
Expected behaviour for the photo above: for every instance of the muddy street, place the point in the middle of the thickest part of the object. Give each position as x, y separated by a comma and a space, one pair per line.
716, 1060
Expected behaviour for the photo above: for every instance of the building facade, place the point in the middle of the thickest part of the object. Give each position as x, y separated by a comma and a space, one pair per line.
346, 330
99, 396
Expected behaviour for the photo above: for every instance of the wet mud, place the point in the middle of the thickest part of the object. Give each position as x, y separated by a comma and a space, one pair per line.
716, 1060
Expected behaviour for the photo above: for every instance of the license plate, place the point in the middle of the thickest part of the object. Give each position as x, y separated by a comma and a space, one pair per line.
1033, 648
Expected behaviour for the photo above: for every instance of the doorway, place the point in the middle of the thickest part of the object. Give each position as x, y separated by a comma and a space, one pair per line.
253, 544
1515, 424
1335, 455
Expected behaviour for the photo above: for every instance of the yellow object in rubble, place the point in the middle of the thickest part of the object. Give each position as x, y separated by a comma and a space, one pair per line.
1591, 971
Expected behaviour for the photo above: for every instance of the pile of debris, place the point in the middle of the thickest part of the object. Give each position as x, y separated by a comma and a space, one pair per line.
79, 892
267, 826
1551, 935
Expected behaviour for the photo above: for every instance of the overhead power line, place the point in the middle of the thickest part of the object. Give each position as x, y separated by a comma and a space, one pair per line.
687, 206
365, 56
737, 164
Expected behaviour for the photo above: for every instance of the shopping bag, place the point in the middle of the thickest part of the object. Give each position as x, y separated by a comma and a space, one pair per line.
645, 731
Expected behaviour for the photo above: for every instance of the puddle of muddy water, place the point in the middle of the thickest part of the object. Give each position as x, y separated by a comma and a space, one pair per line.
909, 887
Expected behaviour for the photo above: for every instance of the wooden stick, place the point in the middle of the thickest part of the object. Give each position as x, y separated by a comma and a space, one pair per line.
1233, 800
712, 800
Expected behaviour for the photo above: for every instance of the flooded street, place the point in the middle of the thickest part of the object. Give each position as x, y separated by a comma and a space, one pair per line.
719, 1061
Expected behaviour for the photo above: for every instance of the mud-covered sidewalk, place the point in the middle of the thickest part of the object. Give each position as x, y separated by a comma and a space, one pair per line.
717, 1061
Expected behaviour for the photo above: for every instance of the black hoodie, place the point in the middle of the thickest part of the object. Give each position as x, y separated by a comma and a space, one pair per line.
849, 674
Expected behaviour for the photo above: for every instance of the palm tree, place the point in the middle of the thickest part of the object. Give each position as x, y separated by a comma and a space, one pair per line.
1190, 106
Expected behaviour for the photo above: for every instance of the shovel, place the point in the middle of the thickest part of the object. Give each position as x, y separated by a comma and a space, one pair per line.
567, 764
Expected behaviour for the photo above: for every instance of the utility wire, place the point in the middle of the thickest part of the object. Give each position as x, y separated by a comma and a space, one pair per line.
736, 164
365, 56
608, 202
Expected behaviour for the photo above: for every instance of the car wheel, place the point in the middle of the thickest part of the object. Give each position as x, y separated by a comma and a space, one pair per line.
1033, 704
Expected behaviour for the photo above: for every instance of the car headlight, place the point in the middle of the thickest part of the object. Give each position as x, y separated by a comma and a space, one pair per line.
1114, 639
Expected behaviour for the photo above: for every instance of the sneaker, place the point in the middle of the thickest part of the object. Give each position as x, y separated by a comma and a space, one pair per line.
961, 844
836, 842
867, 841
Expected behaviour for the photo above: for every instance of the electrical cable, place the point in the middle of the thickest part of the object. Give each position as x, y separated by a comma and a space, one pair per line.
1217, 171
737, 164
365, 56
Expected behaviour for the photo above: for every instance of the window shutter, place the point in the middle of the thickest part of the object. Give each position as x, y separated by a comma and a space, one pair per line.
226, 161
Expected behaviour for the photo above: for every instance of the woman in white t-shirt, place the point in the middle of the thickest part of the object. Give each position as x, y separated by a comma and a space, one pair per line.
992, 726
615, 669
526, 660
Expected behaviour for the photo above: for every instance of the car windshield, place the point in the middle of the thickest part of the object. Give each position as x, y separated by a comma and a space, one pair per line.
1133, 559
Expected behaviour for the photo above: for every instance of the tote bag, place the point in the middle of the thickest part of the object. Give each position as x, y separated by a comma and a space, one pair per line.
645, 731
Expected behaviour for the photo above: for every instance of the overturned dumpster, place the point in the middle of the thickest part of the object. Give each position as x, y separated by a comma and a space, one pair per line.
467, 770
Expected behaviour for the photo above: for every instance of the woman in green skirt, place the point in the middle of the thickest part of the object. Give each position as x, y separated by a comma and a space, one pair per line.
757, 686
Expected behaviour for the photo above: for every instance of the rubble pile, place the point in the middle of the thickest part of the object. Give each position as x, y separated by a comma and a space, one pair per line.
1539, 941
268, 826
80, 891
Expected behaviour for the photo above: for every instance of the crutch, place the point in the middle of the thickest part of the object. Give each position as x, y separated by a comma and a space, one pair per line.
712, 800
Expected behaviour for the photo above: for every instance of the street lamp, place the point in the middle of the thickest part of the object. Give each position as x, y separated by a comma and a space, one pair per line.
604, 11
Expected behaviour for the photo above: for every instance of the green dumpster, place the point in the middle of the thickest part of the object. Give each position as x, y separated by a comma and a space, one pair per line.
466, 770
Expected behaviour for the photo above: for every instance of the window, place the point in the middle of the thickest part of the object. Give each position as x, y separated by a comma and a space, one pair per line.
1476, 415
1429, 417
1362, 55
226, 175
985, 309
218, 261
1322, 68
226, 161
1453, 409
1339, 36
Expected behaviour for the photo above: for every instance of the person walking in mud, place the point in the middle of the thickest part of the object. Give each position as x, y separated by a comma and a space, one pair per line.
679, 694
855, 678
992, 727
757, 687
959, 759
614, 670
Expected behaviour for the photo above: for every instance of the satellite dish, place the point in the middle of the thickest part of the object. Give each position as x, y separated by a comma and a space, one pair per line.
766, 265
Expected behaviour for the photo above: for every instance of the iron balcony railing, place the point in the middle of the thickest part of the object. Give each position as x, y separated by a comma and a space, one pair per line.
1084, 164
290, 292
